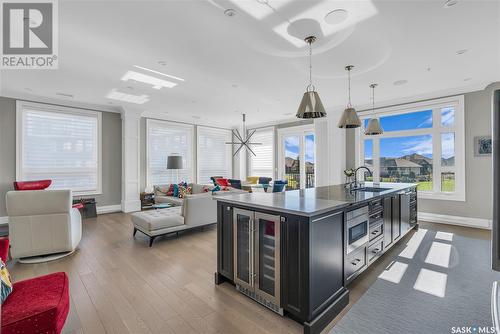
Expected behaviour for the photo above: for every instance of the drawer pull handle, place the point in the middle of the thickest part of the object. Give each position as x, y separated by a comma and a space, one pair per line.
375, 232
355, 262
375, 251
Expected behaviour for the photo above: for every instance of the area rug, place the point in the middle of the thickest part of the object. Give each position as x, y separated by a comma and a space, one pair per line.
440, 283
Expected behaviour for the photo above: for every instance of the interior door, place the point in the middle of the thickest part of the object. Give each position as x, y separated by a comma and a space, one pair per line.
243, 230
267, 256
297, 158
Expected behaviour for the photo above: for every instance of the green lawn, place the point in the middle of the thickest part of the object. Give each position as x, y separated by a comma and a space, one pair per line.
448, 185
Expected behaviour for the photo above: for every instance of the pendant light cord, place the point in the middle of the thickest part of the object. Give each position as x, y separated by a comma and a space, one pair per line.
373, 99
310, 67
349, 80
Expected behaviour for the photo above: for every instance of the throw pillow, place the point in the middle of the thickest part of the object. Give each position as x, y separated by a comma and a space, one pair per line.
223, 182
176, 190
206, 189
170, 191
5, 282
183, 191
214, 189
161, 190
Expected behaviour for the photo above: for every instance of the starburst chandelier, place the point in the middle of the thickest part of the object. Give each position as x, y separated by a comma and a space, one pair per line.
243, 141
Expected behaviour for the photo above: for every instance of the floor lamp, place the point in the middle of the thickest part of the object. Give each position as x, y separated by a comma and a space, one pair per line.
175, 162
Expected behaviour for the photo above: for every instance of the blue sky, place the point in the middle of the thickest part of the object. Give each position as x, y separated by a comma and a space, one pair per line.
292, 147
401, 146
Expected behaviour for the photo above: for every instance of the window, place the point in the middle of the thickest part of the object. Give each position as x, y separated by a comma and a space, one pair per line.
164, 139
262, 163
59, 143
422, 143
214, 155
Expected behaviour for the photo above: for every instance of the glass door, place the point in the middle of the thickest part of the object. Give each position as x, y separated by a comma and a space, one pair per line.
297, 158
243, 247
267, 256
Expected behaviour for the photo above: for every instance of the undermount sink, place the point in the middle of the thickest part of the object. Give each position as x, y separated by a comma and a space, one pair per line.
371, 189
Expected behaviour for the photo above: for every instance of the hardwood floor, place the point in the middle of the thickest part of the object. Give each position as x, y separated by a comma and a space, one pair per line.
120, 285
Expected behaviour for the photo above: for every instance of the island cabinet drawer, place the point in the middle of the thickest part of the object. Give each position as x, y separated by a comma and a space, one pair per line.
375, 250
376, 205
376, 230
355, 263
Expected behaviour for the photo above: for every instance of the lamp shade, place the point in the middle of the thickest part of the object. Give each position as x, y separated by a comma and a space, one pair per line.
311, 106
174, 162
374, 127
349, 119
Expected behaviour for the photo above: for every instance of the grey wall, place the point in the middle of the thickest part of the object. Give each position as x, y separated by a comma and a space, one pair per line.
478, 170
111, 154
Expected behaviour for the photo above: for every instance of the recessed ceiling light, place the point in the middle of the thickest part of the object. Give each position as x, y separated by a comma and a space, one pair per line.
234, 85
65, 95
160, 73
196, 117
400, 82
137, 99
130, 87
162, 62
230, 12
467, 79
155, 82
461, 52
428, 69
450, 3
336, 16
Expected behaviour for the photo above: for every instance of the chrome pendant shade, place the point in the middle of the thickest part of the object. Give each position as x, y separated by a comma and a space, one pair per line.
349, 119
374, 128
311, 105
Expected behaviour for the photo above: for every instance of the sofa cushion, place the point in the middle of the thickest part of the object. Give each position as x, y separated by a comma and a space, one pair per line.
169, 199
158, 219
32, 185
162, 189
38, 305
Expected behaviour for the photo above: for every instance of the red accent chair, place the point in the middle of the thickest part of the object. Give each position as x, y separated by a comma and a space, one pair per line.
32, 185
36, 305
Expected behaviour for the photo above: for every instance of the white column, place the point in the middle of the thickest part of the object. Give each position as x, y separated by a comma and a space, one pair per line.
330, 150
131, 160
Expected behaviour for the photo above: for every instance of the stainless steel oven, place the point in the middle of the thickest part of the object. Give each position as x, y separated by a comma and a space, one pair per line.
356, 229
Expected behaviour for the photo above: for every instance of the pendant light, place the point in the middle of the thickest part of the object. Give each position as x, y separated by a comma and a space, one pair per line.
310, 106
373, 127
349, 119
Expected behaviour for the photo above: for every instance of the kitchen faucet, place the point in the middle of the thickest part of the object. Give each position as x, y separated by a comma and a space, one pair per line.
356, 185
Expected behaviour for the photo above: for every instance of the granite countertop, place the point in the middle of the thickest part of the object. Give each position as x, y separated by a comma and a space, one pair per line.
312, 201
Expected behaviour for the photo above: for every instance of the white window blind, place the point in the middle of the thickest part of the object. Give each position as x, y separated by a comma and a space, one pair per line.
61, 144
164, 139
214, 155
262, 163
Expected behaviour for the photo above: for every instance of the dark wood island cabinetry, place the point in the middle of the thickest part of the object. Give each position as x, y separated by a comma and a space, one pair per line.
296, 252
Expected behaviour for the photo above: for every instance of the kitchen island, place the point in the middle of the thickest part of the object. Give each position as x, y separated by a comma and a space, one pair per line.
296, 252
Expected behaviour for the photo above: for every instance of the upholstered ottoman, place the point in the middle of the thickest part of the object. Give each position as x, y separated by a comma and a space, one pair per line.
154, 223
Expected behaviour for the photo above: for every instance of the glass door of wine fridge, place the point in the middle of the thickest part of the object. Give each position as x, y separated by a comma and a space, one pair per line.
243, 237
267, 257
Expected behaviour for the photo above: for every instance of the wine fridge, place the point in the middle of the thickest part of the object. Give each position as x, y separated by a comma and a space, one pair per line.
257, 257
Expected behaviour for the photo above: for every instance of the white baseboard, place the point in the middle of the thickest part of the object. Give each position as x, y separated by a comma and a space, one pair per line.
455, 220
108, 209
131, 205
4, 220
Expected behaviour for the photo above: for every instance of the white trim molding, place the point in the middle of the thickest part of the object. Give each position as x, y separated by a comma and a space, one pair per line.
108, 209
455, 220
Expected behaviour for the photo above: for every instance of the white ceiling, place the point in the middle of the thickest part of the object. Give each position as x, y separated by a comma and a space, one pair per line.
250, 63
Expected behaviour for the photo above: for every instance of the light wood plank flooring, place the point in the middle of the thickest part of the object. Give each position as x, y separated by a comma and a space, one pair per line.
120, 285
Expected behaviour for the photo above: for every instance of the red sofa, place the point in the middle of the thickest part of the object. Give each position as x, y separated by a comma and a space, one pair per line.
36, 305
